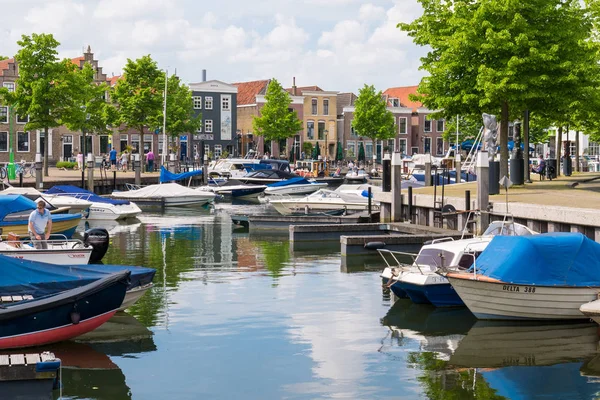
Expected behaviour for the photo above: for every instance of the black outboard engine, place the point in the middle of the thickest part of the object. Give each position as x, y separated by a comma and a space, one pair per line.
99, 239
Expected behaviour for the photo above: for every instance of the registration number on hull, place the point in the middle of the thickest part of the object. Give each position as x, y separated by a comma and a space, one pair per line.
522, 289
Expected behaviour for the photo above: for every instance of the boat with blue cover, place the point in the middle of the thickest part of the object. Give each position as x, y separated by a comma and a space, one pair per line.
61, 314
102, 207
14, 217
31, 278
542, 277
295, 185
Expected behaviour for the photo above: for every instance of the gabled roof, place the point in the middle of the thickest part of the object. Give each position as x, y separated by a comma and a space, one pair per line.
4, 64
402, 93
247, 91
344, 100
112, 81
301, 89
77, 60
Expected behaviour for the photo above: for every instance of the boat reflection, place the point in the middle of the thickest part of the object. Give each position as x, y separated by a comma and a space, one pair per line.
437, 330
113, 227
492, 344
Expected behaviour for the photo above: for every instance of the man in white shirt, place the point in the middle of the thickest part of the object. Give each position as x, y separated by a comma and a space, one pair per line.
40, 225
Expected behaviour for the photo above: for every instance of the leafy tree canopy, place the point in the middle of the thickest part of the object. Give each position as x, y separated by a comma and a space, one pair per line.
3, 57
277, 121
371, 116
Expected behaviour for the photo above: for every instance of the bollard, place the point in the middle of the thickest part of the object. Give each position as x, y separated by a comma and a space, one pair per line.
114, 180
396, 187
82, 178
369, 205
410, 200
90, 170
467, 200
387, 169
458, 171
137, 168
39, 183
483, 188
21, 179
205, 171
427, 174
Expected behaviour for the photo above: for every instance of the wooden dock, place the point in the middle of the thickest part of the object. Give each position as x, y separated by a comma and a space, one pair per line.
31, 375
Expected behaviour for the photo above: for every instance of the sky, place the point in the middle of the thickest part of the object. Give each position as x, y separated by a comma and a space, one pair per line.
338, 45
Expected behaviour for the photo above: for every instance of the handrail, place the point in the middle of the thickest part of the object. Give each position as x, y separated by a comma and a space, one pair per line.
441, 240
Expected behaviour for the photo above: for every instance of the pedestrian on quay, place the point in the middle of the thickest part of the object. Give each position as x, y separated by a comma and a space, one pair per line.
124, 160
113, 158
40, 225
150, 160
80, 160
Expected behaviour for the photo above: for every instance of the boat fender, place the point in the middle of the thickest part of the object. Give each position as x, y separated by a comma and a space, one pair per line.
427, 242
99, 239
374, 245
75, 317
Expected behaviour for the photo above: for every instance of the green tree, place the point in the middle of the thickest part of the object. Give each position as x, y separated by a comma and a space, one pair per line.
504, 56
90, 112
43, 90
180, 109
3, 57
277, 121
139, 95
468, 128
371, 116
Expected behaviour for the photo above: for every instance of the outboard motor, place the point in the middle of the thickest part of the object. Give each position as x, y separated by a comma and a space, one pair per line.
99, 239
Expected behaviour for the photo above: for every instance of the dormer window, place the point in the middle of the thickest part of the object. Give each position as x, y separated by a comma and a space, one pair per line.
395, 102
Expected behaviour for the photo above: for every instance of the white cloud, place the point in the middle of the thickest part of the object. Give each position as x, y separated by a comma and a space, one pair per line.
126, 9
371, 12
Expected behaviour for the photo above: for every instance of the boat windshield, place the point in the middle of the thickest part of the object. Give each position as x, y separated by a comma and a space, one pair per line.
506, 228
433, 257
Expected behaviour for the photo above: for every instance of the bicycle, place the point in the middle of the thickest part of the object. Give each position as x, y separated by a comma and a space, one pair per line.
27, 171
4, 171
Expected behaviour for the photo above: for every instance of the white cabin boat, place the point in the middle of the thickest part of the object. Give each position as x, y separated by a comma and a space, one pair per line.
58, 251
75, 206
294, 186
321, 200
166, 194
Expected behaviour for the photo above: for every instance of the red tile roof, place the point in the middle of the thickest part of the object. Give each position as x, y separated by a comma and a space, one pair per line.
402, 93
77, 61
112, 81
247, 91
4, 64
301, 89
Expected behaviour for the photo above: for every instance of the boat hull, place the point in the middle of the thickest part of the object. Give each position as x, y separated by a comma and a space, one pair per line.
500, 300
287, 207
133, 295
65, 225
295, 189
64, 257
63, 316
106, 211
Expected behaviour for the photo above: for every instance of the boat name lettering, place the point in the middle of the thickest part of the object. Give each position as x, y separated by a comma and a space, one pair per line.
513, 288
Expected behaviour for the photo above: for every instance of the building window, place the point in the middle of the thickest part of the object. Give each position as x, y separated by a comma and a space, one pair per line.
22, 120
326, 107
314, 107
572, 148
594, 149
103, 144
3, 114
225, 103
135, 143
321, 130
310, 130
197, 102
218, 151
208, 103
199, 129
23, 141
3, 141
402, 125
350, 149
10, 86
206, 150
440, 125
439, 146
427, 125
208, 126
369, 151
394, 102
402, 145
427, 146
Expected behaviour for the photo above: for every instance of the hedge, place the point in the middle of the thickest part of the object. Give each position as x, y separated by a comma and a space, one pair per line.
66, 164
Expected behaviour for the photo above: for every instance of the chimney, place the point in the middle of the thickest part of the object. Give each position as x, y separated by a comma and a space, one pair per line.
294, 87
203, 75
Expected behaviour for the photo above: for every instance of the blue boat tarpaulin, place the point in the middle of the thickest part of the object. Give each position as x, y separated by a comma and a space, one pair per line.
552, 259
74, 191
292, 181
166, 176
21, 277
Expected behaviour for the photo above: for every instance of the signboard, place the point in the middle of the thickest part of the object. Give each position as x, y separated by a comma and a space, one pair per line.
183, 138
226, 119
204, 136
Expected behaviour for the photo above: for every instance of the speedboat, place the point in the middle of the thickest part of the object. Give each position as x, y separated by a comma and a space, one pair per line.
421, 281
27, 320
102, 207
266, 176
292, 186
234, 188
14, 217
166, 195
75, 206
356, 175
59, 250
540, 277
321, 200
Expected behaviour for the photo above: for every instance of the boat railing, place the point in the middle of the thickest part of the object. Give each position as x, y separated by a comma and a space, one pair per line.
61, 241
132, 186
393, 254
441, 240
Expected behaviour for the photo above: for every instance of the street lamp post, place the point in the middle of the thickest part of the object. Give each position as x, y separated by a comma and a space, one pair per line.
326, 145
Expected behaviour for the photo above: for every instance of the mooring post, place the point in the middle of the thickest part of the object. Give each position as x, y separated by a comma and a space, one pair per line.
467, 200
39, 176
369, 205
136, 166
427, 174
114, 180
396, 187
483, 189
90, 170
410, 204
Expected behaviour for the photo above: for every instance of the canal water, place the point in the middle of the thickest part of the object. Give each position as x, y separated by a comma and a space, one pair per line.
235, 315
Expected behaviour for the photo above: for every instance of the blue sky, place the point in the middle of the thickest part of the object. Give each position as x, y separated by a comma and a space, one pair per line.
335, 44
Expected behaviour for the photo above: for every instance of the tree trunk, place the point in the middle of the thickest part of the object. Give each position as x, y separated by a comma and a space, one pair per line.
526, 145
45, 151
504, 141
577, 151
558, 149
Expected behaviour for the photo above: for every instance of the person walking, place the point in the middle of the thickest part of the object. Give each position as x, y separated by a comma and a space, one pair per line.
40, 225
124, 159
80, 160
150, 160
112, 155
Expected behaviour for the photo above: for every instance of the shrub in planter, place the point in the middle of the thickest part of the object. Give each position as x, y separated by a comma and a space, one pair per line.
66, 164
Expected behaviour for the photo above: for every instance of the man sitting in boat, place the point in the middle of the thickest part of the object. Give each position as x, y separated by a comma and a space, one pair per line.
40, 225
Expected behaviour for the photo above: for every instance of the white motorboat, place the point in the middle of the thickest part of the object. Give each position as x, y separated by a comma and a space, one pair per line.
420, 280
543, 277
592, 310
234, 188
321, 200
357, 175
293, 186
75, 206
58, 251
102, 207
166, 195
